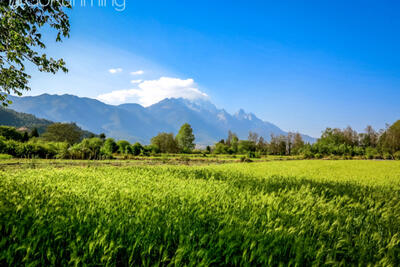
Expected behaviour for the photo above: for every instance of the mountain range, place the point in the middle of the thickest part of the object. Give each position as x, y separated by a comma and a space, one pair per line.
134, 122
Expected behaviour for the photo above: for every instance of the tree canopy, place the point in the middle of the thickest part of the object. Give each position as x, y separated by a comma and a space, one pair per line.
185, 138
165, 142
21, 24
10, 133
390, 139
63, 132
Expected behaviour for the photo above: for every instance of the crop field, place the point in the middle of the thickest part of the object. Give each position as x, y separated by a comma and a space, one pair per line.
166, 159
297, 213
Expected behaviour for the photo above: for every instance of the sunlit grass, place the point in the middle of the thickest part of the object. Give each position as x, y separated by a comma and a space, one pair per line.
290, 212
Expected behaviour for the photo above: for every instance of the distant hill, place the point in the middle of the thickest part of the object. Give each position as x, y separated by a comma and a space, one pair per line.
133, 122
18, 119
9, 117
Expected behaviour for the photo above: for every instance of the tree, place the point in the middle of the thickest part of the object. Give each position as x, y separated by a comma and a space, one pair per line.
298, 143
94, 146
246, 146
369, 138
90, 148
34, 133
185, 138
350, 136
10, 133
289, 142
332, 137
137, 148
102, 136
109, 147
165, 142
277, 145
390, 139
221, 148
230, 137
262, 145
21, 27
235, 143
63, 132
253, 137
123, 146
150, 149
25, 137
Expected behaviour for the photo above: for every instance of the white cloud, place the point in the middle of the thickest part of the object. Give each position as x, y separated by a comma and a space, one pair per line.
136, 81
139, 72
151, 92
114, 71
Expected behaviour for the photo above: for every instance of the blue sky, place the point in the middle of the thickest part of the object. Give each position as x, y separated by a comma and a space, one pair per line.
303, 65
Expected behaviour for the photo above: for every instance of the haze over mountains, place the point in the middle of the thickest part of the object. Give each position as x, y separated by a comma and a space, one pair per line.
134, 122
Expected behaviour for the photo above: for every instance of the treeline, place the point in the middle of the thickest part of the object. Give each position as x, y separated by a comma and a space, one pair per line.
68, 141
256, 146
371, 144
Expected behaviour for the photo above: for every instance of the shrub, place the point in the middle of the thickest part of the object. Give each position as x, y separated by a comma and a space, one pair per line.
10, 133
371, 153
184, 159
197, 151
251, 154
306, 152
245, 159
5, 156
245, 146
387, 156
334, 157
358, 151
318, 156
62, 150
397, 155
221, 148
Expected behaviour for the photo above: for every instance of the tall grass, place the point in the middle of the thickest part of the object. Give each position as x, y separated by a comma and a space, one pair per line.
5, 156
236, 214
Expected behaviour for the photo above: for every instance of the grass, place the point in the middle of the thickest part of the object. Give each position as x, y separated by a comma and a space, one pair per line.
264, 213
365, 172
5, 156
169, 159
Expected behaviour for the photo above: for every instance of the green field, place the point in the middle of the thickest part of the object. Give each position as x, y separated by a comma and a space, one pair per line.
266, 213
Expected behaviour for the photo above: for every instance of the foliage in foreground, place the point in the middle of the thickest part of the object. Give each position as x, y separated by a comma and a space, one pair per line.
243, 214
22, 32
